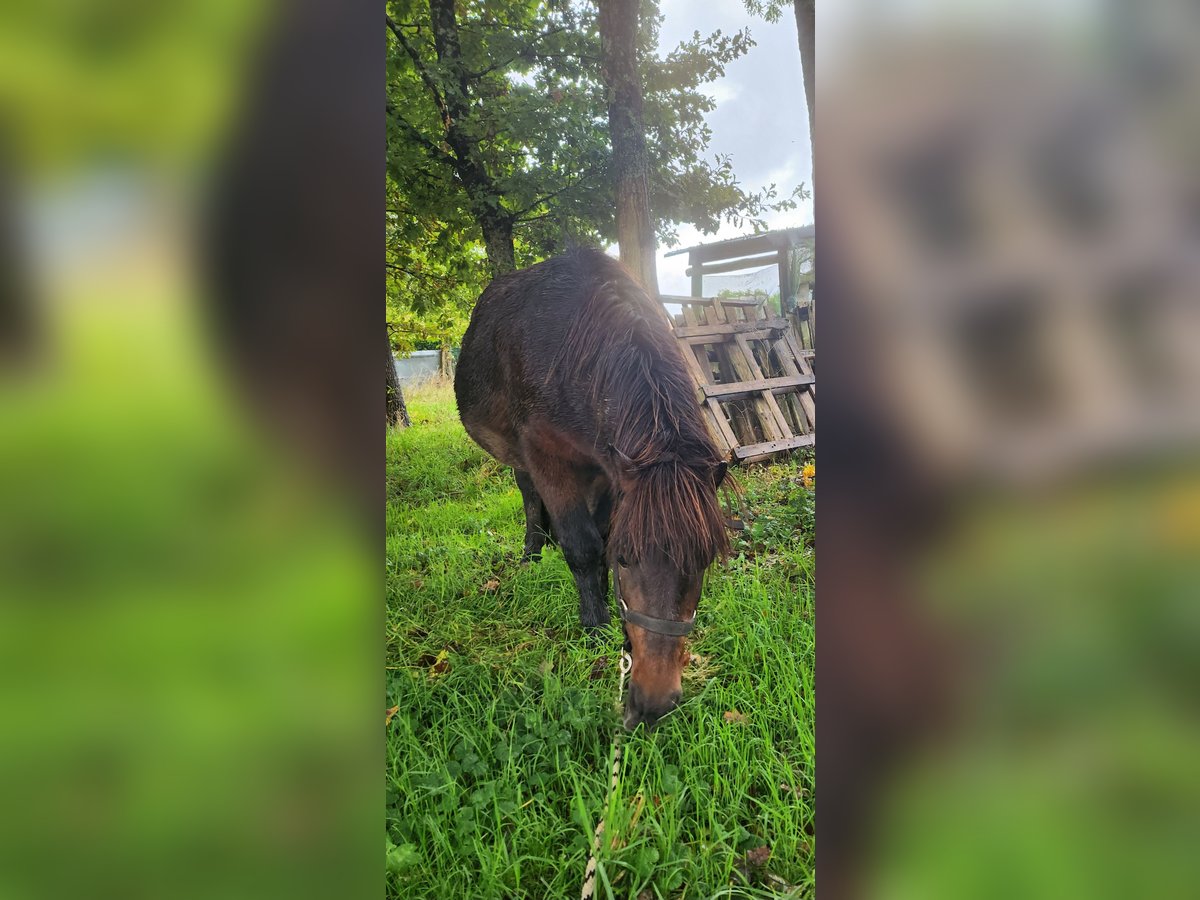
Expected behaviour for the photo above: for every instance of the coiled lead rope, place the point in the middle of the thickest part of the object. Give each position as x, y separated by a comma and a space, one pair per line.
589, 874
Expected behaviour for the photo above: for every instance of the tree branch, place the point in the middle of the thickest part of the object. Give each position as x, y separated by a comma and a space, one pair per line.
538, 218
494, 66
525, 52
562, 190
426, 75
540, 200
415, 133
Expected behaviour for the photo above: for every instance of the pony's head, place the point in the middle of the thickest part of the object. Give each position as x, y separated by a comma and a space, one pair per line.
668, 528
664, 467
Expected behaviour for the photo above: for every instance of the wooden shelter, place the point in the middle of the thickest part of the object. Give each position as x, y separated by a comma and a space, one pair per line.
754, 251
753, 368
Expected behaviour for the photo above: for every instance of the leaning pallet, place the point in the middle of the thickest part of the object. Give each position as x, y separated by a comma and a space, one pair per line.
753, 377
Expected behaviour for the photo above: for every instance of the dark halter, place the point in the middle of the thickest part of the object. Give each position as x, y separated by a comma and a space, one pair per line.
672, 627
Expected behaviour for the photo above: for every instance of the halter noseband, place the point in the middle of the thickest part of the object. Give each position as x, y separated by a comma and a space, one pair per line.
672, 627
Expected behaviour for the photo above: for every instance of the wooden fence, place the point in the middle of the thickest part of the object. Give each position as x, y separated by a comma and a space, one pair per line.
753, 377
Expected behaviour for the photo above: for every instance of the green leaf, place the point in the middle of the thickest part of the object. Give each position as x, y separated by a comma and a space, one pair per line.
401, 858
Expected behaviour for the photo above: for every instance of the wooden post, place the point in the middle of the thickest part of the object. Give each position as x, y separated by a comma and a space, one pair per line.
697, 275
787, 294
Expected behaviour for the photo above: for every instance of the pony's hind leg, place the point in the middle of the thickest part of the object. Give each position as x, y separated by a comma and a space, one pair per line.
537, 519
602, 516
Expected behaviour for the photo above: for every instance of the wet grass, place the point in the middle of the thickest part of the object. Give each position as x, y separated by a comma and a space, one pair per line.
498, 748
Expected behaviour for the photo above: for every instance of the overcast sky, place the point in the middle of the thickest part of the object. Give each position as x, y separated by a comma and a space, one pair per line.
760, 119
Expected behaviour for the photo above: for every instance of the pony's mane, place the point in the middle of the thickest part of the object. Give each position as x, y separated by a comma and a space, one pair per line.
640, 387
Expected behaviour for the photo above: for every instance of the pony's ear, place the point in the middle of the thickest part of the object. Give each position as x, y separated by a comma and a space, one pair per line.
719, 473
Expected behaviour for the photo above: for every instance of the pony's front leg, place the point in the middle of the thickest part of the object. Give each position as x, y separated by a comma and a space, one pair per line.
583, 549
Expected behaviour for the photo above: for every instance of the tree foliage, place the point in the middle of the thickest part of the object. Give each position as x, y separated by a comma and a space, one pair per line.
498, 143
435, 270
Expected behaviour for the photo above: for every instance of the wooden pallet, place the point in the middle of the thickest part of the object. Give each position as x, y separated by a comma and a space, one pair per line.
753, 377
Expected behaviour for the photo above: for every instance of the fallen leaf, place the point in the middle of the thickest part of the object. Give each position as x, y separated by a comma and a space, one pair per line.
757, 858
441, 665
598, 668
388, 716
639, 801
491, 584
735, 717
779, 882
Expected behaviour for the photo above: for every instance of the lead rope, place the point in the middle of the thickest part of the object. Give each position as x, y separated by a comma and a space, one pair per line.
589, 874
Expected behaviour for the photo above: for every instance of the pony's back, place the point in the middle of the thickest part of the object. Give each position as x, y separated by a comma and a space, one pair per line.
521, 324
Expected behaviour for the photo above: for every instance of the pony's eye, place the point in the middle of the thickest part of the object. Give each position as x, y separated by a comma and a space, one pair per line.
621, 562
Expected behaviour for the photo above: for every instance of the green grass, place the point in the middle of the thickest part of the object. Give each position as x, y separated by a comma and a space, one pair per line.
498, 752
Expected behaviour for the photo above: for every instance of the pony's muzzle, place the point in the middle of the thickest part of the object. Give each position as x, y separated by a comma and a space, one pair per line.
643, 710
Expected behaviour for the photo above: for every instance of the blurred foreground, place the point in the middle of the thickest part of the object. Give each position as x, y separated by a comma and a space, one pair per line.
189, 608
1010, 569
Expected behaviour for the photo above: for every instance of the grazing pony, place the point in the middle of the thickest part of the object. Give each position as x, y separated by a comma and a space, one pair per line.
569, 373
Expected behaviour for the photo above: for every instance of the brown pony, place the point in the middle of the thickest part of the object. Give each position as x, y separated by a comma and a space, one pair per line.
570, 374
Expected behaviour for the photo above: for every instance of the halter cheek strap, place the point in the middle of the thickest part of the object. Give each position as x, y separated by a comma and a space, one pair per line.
672, 627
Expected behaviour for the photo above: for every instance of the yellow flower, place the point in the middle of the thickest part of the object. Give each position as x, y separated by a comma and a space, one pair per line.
808, 474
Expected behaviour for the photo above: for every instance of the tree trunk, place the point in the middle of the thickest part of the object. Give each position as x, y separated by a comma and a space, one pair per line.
483, 193
498, 241
635, 230
397, 412
806, 35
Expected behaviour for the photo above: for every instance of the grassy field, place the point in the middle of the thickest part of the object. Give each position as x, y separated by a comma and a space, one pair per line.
498, 746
